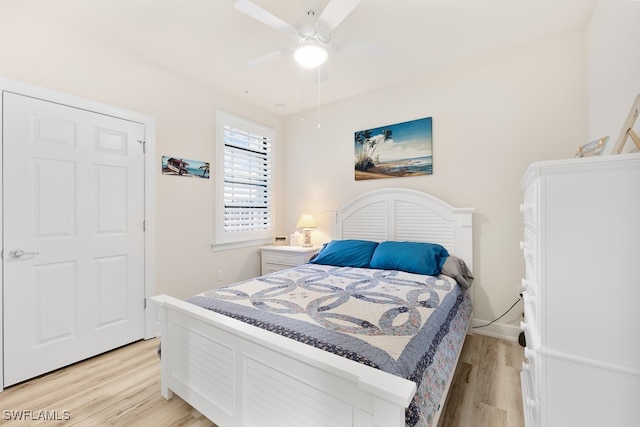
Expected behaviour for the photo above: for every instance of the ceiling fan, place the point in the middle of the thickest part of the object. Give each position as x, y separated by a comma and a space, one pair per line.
311, 35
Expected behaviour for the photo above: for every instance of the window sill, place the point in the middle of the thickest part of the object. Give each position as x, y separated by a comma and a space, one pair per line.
226, 246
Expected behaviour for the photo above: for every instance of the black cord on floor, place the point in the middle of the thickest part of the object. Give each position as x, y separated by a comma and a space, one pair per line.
501, 316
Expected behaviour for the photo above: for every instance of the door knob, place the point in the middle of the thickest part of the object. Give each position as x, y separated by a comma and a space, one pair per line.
19, 253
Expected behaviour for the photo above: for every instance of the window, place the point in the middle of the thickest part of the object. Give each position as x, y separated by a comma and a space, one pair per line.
244, 184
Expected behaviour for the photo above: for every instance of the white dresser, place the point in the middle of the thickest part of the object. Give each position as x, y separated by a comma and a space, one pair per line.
582, 292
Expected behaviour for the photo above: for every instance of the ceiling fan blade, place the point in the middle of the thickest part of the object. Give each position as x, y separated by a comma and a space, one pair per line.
335, 12
270, 57
352, 47
256, 12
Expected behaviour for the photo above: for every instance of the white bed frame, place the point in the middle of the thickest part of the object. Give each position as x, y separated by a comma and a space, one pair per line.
240, 375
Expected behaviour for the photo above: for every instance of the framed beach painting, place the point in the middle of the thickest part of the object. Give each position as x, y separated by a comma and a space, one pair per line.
185, 167
398, 150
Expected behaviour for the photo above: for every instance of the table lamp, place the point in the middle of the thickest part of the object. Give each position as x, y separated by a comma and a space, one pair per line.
306, 222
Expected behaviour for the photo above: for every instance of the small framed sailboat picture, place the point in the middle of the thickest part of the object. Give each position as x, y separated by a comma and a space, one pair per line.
398, 150
593, 148
185, 167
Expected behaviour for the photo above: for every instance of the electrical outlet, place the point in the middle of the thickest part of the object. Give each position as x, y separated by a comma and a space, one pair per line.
220, 275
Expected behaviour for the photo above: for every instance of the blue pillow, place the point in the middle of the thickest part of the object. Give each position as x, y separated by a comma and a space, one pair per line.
345, 253
413, 257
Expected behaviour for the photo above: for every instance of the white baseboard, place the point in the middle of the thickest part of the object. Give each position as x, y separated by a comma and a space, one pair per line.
496, 330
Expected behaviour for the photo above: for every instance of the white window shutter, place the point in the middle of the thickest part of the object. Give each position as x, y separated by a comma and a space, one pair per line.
245, 180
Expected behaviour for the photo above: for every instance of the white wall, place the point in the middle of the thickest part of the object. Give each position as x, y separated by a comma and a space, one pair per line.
37, 51
491, 118
614, 68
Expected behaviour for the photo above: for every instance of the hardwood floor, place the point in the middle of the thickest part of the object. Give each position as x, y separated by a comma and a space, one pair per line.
118, 388
486, 387
122, 388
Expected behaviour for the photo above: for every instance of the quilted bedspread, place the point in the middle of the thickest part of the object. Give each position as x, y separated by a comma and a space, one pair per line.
391, 320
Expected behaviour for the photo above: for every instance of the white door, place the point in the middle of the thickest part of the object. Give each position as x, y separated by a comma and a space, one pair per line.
73, 249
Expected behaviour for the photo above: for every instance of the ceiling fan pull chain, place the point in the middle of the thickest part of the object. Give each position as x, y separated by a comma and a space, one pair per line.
318, 83
301, 93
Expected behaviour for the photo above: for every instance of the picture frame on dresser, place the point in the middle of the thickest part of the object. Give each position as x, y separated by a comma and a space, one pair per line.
627, 129
593, 148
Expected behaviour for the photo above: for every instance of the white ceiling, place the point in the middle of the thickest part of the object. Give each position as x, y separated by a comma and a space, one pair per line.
210, 41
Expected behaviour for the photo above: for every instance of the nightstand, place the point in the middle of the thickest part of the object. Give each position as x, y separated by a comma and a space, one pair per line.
276, 258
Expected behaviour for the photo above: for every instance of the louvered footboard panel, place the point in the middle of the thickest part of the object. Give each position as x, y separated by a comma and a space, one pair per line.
274, 398
205, 365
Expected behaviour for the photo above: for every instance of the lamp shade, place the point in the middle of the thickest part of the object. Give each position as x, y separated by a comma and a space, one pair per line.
310, 55
306, 221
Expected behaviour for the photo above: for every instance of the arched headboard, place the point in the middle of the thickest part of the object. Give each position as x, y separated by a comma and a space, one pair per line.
401, 214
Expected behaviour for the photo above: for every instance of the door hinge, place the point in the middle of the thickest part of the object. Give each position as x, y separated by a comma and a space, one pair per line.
144, 145
145, 304
144, 226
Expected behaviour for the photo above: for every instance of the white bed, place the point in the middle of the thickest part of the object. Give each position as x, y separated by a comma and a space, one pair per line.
224, 367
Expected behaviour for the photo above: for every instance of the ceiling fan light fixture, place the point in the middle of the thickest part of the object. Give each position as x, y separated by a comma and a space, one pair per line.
311, 55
